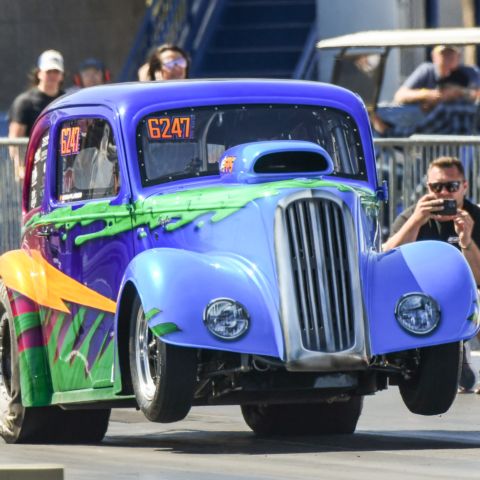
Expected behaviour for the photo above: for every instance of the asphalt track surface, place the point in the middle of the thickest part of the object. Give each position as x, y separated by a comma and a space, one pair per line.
214, 443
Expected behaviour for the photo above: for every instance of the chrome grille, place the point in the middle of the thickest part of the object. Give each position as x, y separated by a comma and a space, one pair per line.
321, 274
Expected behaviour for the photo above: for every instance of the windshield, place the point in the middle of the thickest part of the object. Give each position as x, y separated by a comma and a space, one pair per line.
189, 142
362, 73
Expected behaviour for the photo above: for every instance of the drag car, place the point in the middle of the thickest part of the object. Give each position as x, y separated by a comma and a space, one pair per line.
216, 242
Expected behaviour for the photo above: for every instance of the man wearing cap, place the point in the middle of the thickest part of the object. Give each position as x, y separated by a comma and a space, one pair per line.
439, 97
47, 81
90, 72
426, 221
443, 79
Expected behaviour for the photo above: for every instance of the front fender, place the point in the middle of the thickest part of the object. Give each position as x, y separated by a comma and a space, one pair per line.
432, 267
176, 285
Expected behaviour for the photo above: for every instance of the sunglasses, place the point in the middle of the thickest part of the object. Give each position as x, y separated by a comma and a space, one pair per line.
451, 187
179, 62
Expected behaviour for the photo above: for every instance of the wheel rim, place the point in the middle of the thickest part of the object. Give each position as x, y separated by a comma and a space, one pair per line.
5, 364
146, 357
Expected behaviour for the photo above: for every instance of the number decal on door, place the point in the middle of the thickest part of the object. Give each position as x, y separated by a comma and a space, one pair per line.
70, 141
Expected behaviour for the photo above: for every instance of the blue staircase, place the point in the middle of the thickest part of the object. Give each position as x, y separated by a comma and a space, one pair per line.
257, 38
232, 38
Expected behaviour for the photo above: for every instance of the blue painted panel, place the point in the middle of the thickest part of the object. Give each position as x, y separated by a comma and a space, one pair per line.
434, 268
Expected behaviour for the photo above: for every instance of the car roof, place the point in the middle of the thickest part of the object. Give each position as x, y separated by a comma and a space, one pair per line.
130, 102
133, 97
419, 37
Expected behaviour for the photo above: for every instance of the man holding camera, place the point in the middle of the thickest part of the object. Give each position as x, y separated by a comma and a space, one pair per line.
444, 214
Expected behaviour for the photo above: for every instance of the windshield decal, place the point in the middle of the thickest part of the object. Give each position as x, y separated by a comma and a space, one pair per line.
171, 128
68, 197
69, 141
227, 164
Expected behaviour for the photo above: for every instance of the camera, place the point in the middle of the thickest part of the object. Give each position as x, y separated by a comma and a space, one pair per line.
449, 207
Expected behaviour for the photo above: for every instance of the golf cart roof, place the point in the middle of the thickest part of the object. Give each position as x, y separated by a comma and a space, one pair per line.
404, 38
353, 67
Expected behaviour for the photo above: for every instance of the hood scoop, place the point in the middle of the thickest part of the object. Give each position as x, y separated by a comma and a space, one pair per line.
275, 160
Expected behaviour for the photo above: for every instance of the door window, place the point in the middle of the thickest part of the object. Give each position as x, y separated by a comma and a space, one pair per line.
87, 165
37, 182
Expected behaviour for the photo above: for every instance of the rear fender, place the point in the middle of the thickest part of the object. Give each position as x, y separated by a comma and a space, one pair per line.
435, 268
175, 286
21, 277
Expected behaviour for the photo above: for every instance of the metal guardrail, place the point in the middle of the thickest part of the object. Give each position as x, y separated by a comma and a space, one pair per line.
403, 162
10, 195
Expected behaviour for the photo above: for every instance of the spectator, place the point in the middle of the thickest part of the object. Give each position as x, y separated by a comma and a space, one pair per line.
90, 72
47, 79
167, 62
439, 97
443, 79
445, 180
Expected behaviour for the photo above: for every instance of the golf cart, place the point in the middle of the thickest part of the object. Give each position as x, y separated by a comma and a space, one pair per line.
360, 62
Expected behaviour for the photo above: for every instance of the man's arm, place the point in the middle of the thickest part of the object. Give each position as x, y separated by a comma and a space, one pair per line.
17, 130
408, 231
18, 116
426, 96
417, 88
464, 229
472, 255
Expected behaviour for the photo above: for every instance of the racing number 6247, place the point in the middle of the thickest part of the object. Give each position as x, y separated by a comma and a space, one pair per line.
169, 128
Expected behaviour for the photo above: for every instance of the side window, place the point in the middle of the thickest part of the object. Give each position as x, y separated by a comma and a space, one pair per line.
87, 162
37, 183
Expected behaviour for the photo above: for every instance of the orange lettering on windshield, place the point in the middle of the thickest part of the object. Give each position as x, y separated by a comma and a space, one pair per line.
169, 128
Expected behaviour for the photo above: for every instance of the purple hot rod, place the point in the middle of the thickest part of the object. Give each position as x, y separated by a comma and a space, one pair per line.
217, 242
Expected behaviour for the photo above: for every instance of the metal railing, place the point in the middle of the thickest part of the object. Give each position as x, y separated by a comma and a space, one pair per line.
10, 195
402, 162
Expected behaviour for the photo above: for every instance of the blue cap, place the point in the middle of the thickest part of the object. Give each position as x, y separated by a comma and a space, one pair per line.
91, 63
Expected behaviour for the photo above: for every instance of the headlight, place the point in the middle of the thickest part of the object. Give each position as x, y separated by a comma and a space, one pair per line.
226, 318
417, 313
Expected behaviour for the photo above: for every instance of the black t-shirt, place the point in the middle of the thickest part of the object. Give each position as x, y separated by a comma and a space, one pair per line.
27, 107
443, 231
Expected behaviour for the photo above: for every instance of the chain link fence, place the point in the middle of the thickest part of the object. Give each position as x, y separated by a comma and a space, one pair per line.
403, 162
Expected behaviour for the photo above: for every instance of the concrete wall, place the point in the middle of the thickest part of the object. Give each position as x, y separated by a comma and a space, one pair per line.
78, 28
450, 13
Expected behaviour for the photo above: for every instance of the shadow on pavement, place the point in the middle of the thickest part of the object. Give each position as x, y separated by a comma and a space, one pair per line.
218, 442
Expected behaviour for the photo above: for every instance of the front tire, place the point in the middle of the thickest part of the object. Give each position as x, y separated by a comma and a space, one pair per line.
163, 375
304, 419
432, 385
